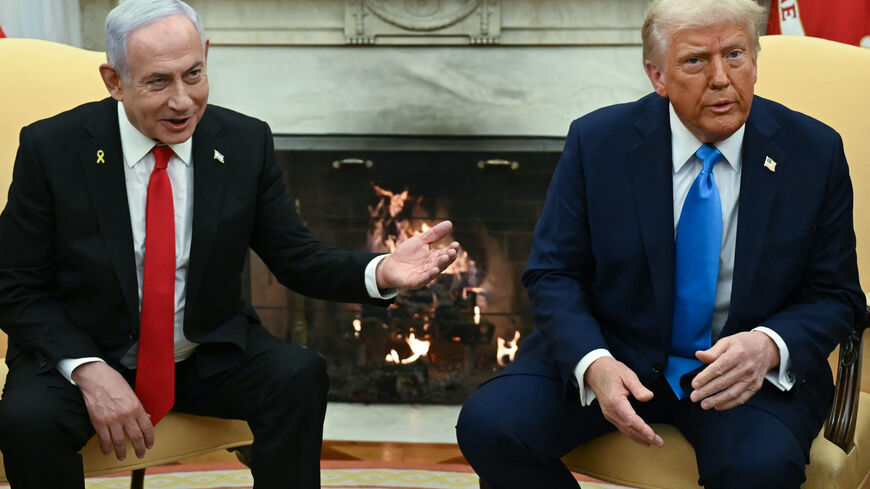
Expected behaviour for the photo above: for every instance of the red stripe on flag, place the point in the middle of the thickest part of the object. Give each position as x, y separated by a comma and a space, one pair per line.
2, 34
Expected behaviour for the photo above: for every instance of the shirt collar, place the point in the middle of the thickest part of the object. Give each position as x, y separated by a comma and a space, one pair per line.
684, 144
136, 145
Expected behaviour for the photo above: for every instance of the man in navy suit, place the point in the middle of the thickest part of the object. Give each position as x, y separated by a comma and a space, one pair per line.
152, 198
694, 264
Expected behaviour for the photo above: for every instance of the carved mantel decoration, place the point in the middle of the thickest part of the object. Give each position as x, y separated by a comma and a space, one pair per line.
422, 21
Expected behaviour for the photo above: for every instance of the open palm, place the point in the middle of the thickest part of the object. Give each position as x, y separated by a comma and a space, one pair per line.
414, 263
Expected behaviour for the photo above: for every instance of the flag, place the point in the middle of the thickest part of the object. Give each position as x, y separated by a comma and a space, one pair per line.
2, 34
846, 21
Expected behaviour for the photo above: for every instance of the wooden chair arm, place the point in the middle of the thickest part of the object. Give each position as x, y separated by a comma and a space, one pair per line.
840, 425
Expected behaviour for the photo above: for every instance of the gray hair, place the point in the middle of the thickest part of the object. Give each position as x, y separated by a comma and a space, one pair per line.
131, 15
665, 17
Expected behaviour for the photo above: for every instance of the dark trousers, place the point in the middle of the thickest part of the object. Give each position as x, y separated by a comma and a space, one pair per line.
514, 429
279, 389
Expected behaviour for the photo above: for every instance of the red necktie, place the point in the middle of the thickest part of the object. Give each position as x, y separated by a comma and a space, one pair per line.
155, 372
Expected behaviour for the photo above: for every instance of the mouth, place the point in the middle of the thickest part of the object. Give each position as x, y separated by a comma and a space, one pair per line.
721, 107
177, 124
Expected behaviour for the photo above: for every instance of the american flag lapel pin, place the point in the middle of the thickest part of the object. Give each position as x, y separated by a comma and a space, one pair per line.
218, 156
770, 164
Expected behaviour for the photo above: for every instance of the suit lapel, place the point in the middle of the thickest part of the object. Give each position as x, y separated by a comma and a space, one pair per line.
652, 187
209, 184
102, 163
758, 187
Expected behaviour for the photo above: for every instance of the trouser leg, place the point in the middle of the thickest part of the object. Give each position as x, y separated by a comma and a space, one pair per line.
43, 425
515, 428
280, 389
743, 448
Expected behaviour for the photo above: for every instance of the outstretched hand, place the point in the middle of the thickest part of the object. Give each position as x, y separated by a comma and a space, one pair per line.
414, 263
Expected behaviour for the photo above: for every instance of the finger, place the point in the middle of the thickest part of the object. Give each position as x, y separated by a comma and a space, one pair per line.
715, 385
436, 232
117, 433
105, 438
627, 420
637, 389
734, 396
720, 366
147, 428
711, 354
137, 438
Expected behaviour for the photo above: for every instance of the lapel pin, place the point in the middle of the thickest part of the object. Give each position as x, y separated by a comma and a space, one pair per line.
100, 155
770, 164
218, 156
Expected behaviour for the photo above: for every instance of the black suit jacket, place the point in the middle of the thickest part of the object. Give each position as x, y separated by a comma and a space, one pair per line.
601, 272
68, 285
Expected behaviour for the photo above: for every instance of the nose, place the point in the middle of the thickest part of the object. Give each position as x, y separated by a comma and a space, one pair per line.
719, 74
179, 99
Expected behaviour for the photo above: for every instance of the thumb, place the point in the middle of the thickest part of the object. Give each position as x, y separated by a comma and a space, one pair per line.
436, 232
637, 389
710, 355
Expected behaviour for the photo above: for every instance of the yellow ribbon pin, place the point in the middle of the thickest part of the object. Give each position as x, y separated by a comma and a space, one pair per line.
100, 155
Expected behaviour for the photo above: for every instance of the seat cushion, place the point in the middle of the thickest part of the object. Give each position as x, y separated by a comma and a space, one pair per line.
176, 436
615, 458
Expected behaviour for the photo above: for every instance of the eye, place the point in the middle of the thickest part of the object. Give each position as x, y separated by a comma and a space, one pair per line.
735, 54
157, 82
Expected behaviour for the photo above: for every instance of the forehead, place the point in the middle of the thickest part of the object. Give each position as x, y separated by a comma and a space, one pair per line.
163, 43
714, 37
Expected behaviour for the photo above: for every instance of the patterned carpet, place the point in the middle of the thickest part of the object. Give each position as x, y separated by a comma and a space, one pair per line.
333, 474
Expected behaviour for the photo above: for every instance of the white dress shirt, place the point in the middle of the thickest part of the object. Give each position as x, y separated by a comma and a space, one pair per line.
686, 167
138, 164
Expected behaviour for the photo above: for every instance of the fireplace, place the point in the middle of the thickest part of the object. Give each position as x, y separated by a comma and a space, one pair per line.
464, 104
437, 344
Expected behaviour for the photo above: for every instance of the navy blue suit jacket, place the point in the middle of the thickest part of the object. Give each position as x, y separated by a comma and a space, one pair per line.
601, 271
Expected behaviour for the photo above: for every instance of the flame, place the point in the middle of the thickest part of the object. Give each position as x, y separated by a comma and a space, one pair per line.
393, 356
357, 327
419, 348
507, 349
476, 314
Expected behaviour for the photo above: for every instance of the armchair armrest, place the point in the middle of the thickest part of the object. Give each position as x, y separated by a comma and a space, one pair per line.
840, 425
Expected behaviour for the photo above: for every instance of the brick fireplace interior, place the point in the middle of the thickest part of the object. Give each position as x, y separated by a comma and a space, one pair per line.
437, 344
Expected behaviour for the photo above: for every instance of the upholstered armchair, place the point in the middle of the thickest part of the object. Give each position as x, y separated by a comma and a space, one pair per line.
41, 79
831, 82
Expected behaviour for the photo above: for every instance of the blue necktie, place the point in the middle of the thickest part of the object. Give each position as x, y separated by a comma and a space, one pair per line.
698, 244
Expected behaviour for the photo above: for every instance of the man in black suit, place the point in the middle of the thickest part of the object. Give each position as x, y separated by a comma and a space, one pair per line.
694, 264
121, 247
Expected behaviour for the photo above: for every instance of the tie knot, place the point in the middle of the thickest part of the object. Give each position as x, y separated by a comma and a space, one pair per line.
161, 156
709, 155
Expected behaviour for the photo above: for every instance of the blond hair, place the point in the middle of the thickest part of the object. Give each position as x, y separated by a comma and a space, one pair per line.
665, 17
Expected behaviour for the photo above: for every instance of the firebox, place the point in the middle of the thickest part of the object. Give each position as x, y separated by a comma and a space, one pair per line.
436, 344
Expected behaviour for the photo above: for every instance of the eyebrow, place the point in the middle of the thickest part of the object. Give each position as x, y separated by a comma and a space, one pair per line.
192, 67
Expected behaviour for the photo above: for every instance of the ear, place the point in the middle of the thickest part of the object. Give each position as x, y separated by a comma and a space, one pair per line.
205, 51
656, 77
112, 80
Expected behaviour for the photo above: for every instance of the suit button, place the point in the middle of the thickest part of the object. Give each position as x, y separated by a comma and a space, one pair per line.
133, 335
789, 376
656, 368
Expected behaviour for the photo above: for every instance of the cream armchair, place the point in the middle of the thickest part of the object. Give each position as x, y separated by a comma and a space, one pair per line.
42, 79
831, 82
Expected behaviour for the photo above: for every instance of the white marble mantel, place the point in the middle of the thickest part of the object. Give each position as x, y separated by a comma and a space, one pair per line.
423, 67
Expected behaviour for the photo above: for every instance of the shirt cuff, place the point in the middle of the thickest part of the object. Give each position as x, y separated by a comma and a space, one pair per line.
66, 366
783, 378
586, 394
372, 281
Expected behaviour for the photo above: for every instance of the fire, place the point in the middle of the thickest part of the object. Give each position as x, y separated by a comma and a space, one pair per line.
477, 315
393, 356
419, 348
507, 350
357, 327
